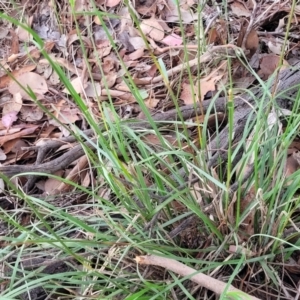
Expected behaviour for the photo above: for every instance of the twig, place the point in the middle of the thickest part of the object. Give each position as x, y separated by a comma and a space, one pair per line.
250, 25
268, 33
206, 281
205, 57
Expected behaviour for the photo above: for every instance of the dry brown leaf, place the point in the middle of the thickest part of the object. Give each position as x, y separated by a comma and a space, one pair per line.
173, 15
137, 42
239, 249
75, 37
85, 178
151, 102
93, 90
2, 155
207, 84
77, 84
36, 83
135, 55
172, 40
24, 34
47, 131
112, 3
187, 95
69, 115
97, 20
14, 129
54, 79
268, 64
252, 42
17, 135
9, 118
14, 105
31, 113
108, 64
103, 48
239, 9
6, 79
74, 175
14, 146
146, 10
3, 32
109, 3
292, 164
109, 80
14, 42
275, 45
51, 184
212, 36
247, 227
152, 28
65, 114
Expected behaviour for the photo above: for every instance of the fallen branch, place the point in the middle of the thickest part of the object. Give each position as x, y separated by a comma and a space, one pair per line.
206, 281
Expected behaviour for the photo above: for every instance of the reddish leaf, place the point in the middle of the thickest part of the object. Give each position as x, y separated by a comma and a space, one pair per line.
172, 40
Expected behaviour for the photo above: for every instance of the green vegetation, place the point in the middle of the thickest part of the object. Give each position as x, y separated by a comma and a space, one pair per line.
146, 181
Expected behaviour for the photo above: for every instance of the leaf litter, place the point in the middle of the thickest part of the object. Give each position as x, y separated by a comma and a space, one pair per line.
27, 79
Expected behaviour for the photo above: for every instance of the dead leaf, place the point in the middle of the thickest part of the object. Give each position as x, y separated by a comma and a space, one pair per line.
185, 16
239, 9
112, 3
275, 45
137, 42
3, 32
252, 42
93, 90
69, 115
134, 55
14, 42
14, 105
36, 83
74, 175
51, 184
151, 102
2, 155
16, 135
77, 84
153, 29
207, 84
212, 36
6, 79
268, 64
148, 9
108, 64
24, 34
187, 94
85, 179
247, 227
31, 113
291, 164
14, 146
172, 40
9, 118
109, 80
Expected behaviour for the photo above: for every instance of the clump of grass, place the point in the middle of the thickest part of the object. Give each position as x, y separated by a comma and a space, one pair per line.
137, 184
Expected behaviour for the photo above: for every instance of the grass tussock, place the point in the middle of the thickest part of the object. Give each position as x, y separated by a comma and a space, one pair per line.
145, 185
